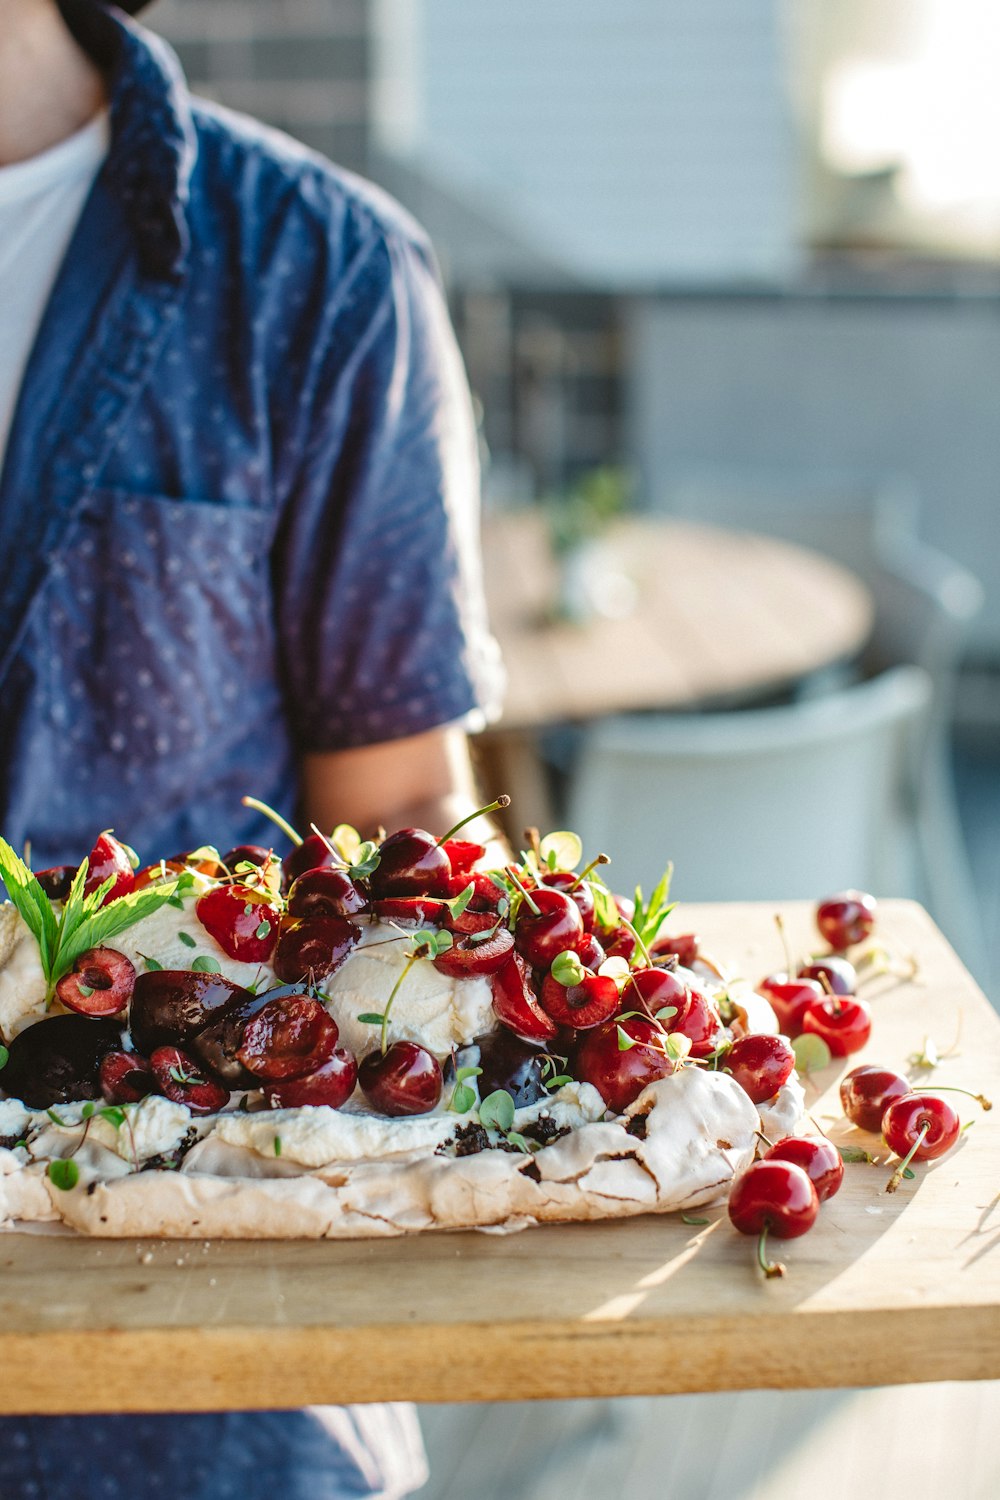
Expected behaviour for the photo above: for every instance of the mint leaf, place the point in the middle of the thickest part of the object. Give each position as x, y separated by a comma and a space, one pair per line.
4, 1056
32, 903
86, 924
462, 1099
567, 969
63, 1173
371, 1018
188, 940
206, 964
497, 1109
153, 965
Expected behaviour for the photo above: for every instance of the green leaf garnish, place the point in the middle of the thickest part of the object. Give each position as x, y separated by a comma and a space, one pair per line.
497, 1109
567, 969
666, 1012
909, 1172
650, 915
855, 1153
263, 929
606, 913
31, 901
516, 1139
206, 964
365, 862
153, 965
371, 1017
113, 1114
277, 1145
625, 1042
63, 1173
557, 1082
462, 1099
677, 1046
187, 940
4, 1056
811, 1052
691, 1219
458, 904
64, 1124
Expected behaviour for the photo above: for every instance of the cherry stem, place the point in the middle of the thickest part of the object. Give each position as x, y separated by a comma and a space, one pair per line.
779, 922
600, 859
769, 1267
534, 844
276, 818
950, 1088
897, 1176
331, 846
509, 872
639, 942
480, 812
764, 1138
388, 1004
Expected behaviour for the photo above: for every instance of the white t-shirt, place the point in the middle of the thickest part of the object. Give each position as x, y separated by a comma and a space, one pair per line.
40, 203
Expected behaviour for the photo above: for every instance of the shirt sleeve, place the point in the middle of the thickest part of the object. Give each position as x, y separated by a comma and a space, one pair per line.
381, 619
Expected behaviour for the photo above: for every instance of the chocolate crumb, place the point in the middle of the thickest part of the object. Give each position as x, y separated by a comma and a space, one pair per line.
530, 1169
544, 1130
91, 1188
171, 1160
637, 1126
470, 1139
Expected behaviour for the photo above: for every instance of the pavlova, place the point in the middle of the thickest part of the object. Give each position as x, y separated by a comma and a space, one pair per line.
365, 1039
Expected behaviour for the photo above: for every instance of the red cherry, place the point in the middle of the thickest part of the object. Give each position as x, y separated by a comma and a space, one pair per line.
403, 1080
847, 918
619, 942
579, 891
463, 854
543, 934
310, 948
653, 990
288, 1038
906, 1117
163, 869
590, 952
332, 1084
109, 858
760, 1064
843, 1021
313, 853
481, 951
425, 911
817, 1156
619, 1074
516, 1004
683, 946
581, 1005
836, 975
325, 892
775, 1197
866, 1091
126, 1077
180, 1077
701, 1023
101, 983
790, 999
173, 1005
56, 882
243, 922
411, 863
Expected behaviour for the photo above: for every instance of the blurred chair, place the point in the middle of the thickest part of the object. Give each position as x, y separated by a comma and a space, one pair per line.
925, 604
784, 802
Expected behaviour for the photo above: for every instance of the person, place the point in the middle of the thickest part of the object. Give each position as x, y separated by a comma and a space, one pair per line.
238, 543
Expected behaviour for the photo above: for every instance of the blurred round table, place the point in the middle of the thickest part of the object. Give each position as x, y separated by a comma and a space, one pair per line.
711, 618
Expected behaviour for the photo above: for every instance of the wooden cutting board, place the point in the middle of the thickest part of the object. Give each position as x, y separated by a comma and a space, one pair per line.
882, 1290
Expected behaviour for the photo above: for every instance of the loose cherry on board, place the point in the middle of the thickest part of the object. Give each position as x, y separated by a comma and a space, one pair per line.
760, 1064
817, 1156
846, 918
790, 999
100, 983
843, 1022
918, 1127
836, 975
773, 1197
109, 858
865, 1093
403, 1080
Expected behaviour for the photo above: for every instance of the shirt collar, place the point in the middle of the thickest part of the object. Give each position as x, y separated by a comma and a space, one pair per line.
153, 142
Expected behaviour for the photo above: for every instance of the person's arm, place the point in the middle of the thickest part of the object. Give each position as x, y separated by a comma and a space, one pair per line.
424, 781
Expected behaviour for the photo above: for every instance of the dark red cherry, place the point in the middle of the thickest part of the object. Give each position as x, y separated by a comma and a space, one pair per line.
108, 859
100, 984
847, 918
653, 990
683, 946
508, 1062
790, 999
478, 952
326, 892
331, 1084
619, 1074
424, 911
543, 934
411, 863
579, 891
288, 1038
817, 1156
243, 922
774, 1195
866, 1092
844, 1023
619, 942
516, 1003
56, 882
58, 1059
126, 1077
590, 952
180, 1077
312, 854
836, 975
310, 948
581, 1005
760, 1064
217, 1044
701, 1023
404, 1080
247, 854
172, 1005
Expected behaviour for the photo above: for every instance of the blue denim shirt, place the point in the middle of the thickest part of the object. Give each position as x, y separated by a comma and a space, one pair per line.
237, 509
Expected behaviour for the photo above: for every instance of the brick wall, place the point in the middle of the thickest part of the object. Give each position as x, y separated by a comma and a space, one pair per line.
303, 65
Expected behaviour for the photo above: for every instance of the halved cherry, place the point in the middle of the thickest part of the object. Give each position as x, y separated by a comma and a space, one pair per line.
581, 1005
425, 911
126, 1077
516, 1003
288, 1038
590, 952
332, 1084
171, 1005
683, 946
100, 984
619, 942
482, 950
463, 854
56, 881
313, 947
180, 1077
163, 869
109, 858
243, 922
